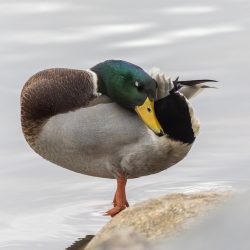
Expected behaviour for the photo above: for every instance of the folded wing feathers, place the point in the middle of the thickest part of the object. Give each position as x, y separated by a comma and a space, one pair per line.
164, 82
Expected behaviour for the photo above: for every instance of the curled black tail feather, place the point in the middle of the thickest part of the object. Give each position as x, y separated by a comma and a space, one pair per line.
178, 84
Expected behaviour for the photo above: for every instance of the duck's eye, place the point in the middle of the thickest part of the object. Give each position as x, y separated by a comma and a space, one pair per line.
139, 87
149, 109
136, 84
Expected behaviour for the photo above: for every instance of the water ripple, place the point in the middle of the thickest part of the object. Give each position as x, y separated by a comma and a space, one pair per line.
73, 34
32, 8
189, 10
178, 35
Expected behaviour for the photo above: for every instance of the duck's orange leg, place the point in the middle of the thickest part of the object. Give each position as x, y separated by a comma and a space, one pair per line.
115, 202
120, 201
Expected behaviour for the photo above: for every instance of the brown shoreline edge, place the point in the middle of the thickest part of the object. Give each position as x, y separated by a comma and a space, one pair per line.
155, 219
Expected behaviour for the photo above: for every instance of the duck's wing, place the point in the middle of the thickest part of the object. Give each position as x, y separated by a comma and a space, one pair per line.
55, 91
164, 82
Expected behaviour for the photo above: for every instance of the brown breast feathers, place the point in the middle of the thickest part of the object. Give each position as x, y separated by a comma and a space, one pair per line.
51, 92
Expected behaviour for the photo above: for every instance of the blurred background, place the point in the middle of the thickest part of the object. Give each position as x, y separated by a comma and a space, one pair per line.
43, 206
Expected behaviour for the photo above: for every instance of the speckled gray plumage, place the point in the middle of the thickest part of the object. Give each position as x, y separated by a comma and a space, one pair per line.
106, 140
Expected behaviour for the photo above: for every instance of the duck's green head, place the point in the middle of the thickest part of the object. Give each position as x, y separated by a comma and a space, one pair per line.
131, 87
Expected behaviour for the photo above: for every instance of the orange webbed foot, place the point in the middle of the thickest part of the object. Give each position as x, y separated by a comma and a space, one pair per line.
114, 211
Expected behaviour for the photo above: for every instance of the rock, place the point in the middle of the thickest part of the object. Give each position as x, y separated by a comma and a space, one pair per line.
123, 240
153, 219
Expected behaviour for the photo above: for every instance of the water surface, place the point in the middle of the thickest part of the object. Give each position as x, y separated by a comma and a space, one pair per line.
47, 207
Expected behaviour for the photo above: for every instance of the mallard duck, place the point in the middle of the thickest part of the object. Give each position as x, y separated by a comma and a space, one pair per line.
84, 120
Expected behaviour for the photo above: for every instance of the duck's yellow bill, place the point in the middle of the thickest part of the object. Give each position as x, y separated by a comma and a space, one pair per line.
147, 114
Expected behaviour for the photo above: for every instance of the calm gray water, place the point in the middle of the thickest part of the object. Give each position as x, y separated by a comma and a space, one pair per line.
43, 206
